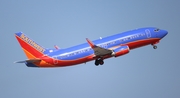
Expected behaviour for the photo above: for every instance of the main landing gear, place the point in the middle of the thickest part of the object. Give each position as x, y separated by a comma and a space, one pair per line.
99, 62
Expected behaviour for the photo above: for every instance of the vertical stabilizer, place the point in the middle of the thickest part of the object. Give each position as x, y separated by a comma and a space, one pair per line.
30, 47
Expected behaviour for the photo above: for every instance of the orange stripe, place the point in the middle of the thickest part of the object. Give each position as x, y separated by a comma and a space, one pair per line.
28, 54
42, 63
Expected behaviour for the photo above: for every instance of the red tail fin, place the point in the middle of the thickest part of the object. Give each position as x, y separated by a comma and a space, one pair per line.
30, 47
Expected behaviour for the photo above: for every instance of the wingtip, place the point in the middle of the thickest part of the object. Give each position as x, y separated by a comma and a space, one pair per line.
90, 43
87, 39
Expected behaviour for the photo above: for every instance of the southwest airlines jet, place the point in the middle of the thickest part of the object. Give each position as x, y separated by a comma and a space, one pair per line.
97, 50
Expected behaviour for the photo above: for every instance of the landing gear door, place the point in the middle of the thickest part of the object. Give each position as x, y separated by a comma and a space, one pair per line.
148, 33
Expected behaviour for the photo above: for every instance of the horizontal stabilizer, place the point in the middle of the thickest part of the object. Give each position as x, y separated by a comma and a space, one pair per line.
29, 61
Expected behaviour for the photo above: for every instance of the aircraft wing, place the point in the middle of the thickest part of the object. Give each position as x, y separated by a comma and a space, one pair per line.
99, 51
29, 61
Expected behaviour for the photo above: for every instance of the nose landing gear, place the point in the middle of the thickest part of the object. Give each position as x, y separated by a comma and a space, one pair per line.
154, 46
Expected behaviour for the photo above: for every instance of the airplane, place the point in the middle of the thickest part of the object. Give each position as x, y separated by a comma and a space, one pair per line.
97, 50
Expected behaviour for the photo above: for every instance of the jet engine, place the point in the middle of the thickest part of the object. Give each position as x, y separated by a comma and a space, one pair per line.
122, 50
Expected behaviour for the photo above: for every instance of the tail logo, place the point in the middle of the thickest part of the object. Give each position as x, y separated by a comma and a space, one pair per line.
32, 43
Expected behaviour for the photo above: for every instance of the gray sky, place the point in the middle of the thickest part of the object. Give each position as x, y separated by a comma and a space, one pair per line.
143, 73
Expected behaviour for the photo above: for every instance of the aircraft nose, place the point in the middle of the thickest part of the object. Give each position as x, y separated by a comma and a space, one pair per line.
163, 33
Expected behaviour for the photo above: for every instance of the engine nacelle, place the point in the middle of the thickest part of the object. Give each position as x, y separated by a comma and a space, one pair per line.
120, 51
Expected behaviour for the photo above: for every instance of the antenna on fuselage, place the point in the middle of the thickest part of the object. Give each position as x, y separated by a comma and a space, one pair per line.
55, 46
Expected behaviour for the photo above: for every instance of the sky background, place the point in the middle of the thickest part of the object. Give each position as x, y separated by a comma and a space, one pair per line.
143, 73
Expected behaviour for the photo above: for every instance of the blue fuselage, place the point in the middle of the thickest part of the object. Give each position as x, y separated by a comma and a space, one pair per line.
134, 38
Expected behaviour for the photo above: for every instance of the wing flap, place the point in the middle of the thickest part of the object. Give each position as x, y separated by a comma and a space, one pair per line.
99, 51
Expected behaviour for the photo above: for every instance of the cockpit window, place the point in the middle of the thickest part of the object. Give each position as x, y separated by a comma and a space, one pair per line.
156, 30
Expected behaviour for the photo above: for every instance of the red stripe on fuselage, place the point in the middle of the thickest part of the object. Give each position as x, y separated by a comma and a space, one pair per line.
141, 43
63, 63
